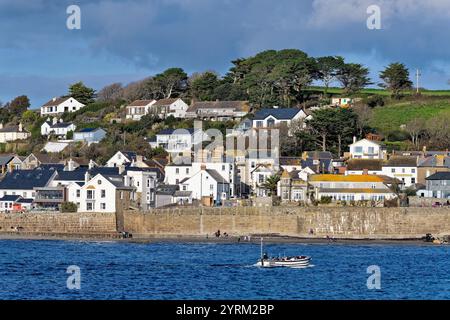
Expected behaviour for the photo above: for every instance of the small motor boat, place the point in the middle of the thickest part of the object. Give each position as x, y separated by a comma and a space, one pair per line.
292, 262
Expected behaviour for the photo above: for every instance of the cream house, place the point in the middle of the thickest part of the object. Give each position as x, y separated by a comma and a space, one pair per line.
13, 133
60, 105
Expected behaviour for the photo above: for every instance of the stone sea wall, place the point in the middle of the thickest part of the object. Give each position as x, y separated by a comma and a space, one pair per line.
376, 223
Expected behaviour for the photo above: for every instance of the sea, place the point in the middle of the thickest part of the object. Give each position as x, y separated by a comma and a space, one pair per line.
92, 270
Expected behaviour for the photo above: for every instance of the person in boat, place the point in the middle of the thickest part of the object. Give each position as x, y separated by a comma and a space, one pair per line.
265, 256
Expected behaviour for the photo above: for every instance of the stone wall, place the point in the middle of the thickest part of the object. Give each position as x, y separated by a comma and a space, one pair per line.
295, 221
58, 223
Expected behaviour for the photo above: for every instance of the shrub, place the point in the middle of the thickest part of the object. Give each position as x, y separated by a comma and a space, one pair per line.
325, 200
69, 207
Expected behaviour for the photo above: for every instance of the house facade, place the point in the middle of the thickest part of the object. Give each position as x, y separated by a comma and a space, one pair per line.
174, 107
177, 140
13, 133
57, 106
218, 110
366, 149
293, 186
438, 185
90, 135
275, 117
139, 108
351, 187
57, 127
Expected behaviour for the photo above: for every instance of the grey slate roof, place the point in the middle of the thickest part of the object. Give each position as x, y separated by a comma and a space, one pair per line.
4, 160
27, 179
280, 113
216, 176
439, 176
10, 198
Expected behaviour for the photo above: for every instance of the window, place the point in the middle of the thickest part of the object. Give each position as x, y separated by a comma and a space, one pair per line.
259, 124
177, 171
78, 193
413, 170
24, 194
393, 170
184, 188
371, 150
103, 193
403, 170
90, 194
187, 170
211, 187
103, 206
89, 206
261, 178
413, 180
121, 194
99, 182
358, 149
223, 167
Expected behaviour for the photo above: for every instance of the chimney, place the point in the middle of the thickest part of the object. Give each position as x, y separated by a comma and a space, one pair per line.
61, 120
121, 169
91, 164
365, 172
87, 177
70, 165
139, 158
20, 127
55, 120
54, 99
203, 167
354, 139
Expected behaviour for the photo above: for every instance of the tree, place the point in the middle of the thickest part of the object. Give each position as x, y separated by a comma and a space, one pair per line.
333, 127
82, 93
111, 93
29, 117
364, 113
396, 79
203, 85
171, 82
19, 105
271, 184
328, 68
353, 77
438, 130
415, 128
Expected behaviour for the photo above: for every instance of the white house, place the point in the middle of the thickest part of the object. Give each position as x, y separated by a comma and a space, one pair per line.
57, 127
60, 105
175, 107
89, 135
121, 158
207, 183
366, 149
351, 187
146, 181
218, 110
402, 168
269, 118
259, 176
139, 108
177, 140
13, 133
176, 173
101, 193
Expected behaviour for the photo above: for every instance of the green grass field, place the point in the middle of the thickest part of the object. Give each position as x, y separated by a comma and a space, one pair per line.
383, 92
390, 117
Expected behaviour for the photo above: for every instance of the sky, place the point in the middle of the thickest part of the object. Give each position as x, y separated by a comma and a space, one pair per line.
127, 40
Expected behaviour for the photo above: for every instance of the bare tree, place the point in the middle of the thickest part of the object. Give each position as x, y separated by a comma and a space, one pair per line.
415, 128
112, 92
364, 115
438, 129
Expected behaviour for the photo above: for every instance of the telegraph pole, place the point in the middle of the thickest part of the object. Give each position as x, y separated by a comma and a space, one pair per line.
417, 80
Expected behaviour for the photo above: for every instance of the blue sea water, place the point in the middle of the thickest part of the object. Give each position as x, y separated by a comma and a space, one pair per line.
121, 270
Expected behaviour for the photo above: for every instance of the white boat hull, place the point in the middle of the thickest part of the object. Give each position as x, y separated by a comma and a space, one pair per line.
290, 263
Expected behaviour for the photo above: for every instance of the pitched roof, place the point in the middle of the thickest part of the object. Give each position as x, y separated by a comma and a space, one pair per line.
290, 161
278, 113
439, 176
348, 178
55, 101
319, 154
167, 189
59, 124
10, 198
27, 179
140, 103
179, 131
401, 161
14, 128
165, 102
89, 130
46, 158
234, 105
5, 159
216, 176
365, 164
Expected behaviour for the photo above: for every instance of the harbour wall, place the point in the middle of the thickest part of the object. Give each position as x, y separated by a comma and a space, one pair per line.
62, 224
348, 222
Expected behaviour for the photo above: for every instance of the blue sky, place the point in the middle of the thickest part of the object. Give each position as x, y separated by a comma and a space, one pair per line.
127, 40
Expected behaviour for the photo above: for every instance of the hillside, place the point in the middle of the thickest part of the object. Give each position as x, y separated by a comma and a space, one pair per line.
390, 117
